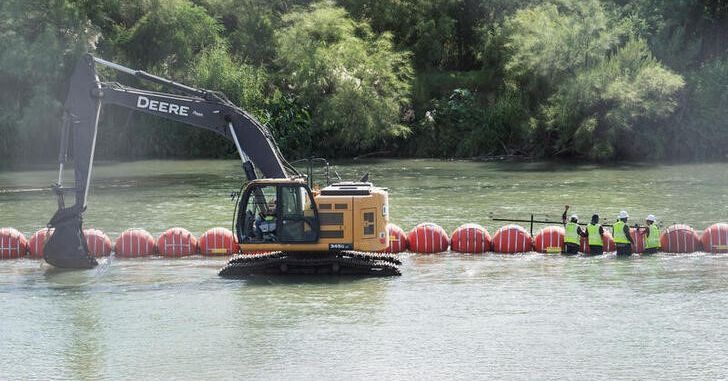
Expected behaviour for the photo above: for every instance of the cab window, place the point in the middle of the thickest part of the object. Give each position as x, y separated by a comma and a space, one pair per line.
298, 216
283, 213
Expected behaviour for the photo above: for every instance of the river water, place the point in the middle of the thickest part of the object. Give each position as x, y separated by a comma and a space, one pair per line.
449, 316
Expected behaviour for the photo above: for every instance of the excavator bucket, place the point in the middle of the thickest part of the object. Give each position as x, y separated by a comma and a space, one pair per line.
66, 248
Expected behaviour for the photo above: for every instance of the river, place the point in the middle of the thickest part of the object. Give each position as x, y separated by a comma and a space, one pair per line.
449, 316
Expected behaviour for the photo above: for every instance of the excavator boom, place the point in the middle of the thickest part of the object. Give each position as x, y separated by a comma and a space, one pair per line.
201, 108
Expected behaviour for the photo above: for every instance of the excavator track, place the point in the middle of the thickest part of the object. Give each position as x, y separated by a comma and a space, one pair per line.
347, 262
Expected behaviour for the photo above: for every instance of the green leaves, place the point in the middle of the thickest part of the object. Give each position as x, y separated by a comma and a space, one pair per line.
593, 79
39, 43
169, 36
597, 80
352, 80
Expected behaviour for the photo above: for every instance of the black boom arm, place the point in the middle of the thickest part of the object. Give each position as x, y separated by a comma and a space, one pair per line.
194, 107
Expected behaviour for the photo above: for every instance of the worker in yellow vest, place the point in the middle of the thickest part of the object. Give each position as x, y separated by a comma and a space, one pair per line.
622, 238
652, 233
594, 233
572, 236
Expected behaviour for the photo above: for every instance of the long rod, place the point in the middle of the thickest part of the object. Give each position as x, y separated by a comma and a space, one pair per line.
115, 66
539, 221
243, 157
150, 77
93, 151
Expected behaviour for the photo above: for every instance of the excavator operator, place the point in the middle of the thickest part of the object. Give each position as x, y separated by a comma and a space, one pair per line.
265, 223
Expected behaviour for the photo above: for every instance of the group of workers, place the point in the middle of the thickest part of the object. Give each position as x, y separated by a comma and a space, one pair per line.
623, 240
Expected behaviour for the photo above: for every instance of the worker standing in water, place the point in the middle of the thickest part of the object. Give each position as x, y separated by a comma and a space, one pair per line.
622, 238
573, 233
594, 234
652, 233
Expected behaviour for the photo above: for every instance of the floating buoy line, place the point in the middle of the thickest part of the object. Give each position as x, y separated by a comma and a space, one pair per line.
425, 238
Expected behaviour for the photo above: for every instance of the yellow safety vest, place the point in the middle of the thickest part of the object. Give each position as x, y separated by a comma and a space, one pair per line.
572, 236
653, 240
619, 236
595, 239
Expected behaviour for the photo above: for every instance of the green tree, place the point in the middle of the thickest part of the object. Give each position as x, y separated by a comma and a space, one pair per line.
40, 41
596, 91
169, 36
613, 109
701, 125
353, 81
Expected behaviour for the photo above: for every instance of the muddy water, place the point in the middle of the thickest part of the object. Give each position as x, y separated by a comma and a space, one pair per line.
449, 316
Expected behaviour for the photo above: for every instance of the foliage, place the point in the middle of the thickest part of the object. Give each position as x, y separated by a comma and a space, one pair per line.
595, 112
39, 43
169, 36
703, 116
352, 80
593, 79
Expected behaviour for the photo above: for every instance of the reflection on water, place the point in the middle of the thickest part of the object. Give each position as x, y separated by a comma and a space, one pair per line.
449, 316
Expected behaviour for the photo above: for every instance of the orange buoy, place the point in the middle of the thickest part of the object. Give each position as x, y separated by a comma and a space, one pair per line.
99, 244
512, 239
12, 244
428, 238
470, 238
37, 242
679, 238
134, 243
715, 238
608, 244
177, 242
397, 239
639, 239
549, 240
218, 241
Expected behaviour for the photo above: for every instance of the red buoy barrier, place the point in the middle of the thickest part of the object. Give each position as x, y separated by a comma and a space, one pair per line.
679, 238
428, 238
512, 239
99, 244
218, 241
37, 242
397, 239
608, 244
715, 238
134, 243
177, 242
12, 244
549, 240
470, 238
639, 239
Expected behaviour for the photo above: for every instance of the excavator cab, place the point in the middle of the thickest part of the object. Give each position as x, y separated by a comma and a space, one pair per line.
275, 211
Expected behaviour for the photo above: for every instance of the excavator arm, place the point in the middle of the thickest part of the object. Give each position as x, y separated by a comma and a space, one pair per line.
201, 108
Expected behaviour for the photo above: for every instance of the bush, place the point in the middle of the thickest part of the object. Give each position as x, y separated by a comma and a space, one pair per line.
352, 81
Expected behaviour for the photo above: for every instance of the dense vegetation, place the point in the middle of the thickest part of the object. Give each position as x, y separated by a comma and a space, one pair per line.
579, 79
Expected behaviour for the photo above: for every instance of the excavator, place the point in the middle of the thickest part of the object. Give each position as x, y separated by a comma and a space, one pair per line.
282, 225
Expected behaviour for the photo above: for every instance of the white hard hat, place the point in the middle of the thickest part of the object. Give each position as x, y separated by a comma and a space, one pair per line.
623, 214
574, 217
651, 217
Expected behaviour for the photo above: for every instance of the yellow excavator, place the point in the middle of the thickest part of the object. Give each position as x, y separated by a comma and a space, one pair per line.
281, 224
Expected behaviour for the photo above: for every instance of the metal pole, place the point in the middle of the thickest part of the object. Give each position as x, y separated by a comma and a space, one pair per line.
532, 225
539, 221
243, 157
93, 152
